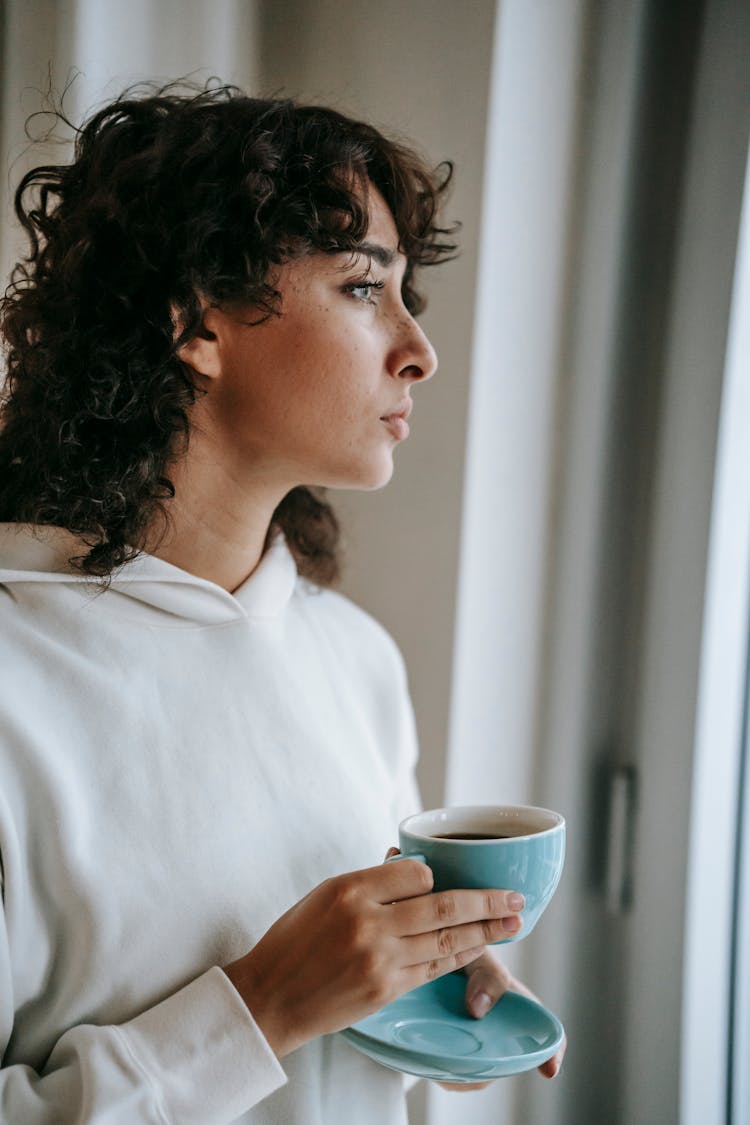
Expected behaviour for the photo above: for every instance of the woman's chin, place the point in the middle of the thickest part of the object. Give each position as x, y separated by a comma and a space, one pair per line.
378, 479
367, 478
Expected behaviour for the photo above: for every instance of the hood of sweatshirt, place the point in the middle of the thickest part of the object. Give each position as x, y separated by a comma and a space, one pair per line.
147, 587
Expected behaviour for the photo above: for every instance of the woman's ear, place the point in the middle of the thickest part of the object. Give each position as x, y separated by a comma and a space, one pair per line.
202, 351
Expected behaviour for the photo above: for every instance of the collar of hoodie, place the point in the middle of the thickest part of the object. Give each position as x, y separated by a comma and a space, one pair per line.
34, 554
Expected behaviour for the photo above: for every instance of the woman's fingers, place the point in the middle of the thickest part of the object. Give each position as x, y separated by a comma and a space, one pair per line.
418, 974
455, 939
551, 1068
486, 981
449, 909
358, 941
392, 882
465, 1087
403, 889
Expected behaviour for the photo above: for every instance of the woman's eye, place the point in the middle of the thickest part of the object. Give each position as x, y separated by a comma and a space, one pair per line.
365, 291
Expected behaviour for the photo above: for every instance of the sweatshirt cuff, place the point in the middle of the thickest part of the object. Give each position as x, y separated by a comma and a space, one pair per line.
203, 1052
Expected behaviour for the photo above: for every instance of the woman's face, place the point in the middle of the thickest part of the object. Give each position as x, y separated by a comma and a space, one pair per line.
319, 394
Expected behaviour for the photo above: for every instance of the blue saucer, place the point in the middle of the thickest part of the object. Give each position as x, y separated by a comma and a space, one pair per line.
428, 1033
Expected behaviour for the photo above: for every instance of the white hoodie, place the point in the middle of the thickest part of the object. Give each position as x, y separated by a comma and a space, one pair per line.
178, 766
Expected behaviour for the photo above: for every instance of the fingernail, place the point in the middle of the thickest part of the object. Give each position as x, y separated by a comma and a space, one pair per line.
516, 901
481, 1004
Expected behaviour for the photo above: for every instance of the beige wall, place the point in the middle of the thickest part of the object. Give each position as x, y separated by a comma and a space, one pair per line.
419, 69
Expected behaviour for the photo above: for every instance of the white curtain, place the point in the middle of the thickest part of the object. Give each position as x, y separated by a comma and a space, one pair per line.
101, 46
509, 484
721, 727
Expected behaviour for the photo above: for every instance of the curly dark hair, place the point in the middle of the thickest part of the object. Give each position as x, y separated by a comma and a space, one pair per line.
174, 195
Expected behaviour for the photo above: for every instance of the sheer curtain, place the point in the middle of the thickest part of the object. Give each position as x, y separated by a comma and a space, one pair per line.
99, 47
519, 350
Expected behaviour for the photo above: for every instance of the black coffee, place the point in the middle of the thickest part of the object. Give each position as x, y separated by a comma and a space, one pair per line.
470, 836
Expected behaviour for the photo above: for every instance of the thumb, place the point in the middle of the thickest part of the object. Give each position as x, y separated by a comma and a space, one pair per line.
487, 981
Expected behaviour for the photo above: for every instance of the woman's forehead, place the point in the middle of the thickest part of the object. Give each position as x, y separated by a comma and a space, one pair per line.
381, 228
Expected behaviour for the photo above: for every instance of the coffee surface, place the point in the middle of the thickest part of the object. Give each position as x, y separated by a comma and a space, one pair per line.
471, 836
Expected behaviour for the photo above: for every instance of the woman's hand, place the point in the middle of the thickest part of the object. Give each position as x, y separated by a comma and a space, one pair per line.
487, 980
359, 941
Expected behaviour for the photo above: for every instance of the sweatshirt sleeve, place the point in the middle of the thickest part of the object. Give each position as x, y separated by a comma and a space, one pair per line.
196, 1058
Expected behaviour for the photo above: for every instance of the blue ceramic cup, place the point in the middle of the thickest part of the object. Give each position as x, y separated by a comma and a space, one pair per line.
509, 847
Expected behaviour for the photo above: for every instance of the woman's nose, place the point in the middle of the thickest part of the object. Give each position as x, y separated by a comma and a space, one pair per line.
415, 356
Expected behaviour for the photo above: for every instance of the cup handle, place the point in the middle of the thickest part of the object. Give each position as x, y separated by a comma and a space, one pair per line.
410, 855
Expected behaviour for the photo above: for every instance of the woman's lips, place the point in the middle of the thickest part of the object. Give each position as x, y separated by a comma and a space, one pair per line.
397, 425
396, 420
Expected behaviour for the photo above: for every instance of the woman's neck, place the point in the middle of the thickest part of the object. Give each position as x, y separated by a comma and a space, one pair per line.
217, 525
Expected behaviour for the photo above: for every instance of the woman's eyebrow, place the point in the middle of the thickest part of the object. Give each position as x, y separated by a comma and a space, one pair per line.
381, 254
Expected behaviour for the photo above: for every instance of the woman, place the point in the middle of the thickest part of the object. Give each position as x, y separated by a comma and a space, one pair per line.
206, 749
